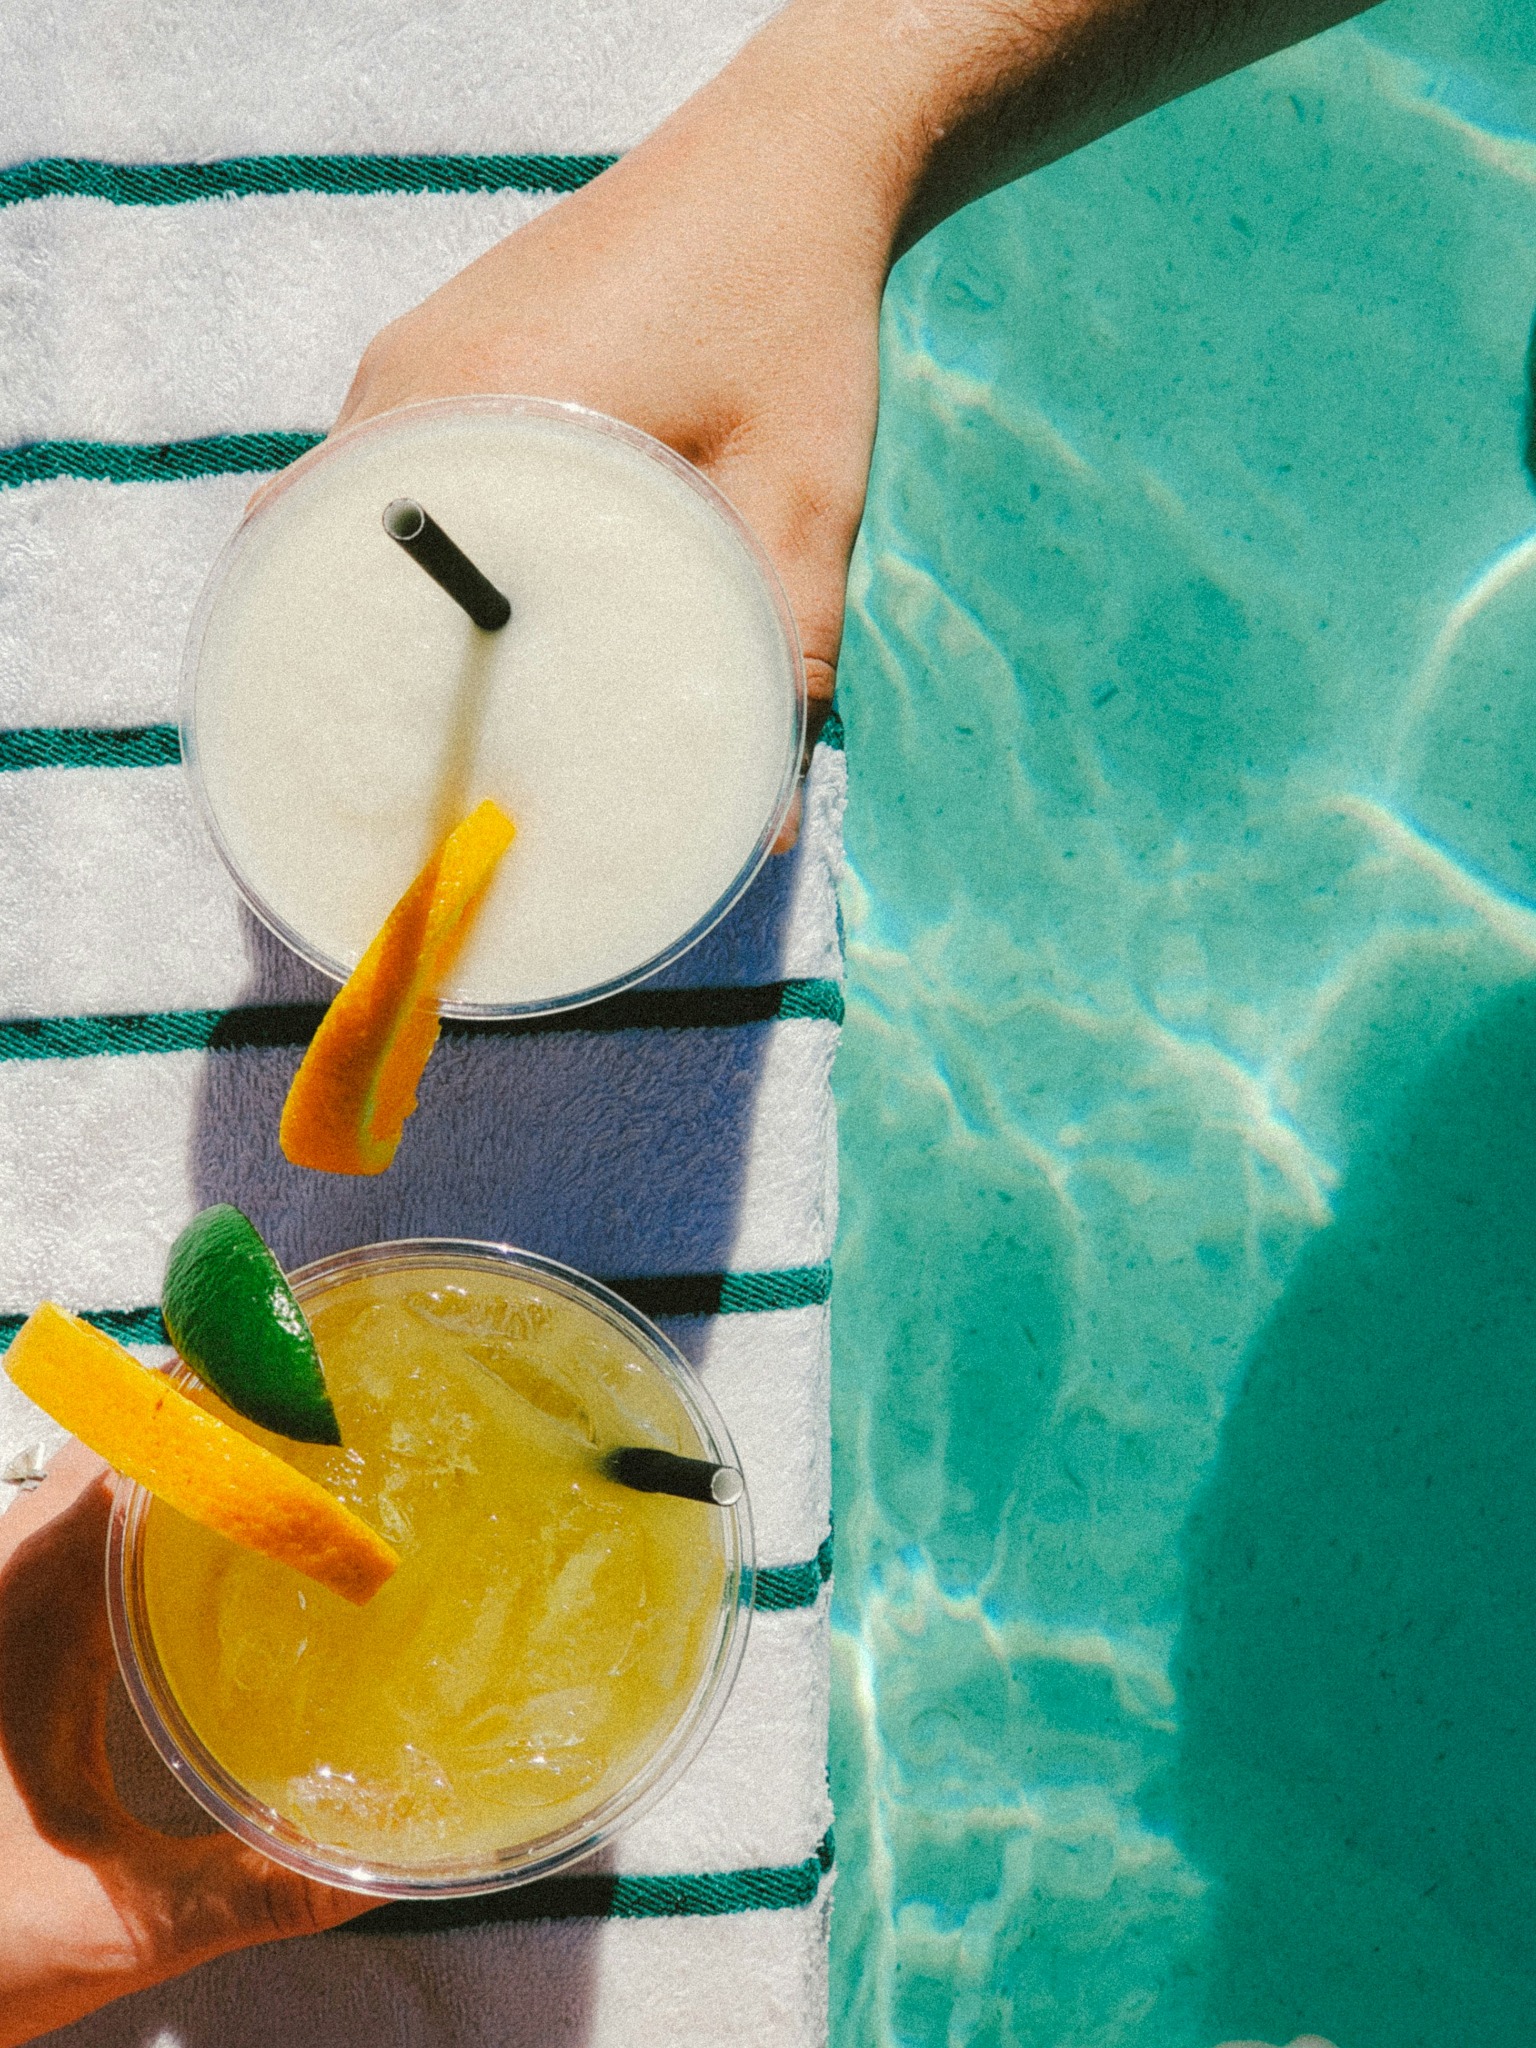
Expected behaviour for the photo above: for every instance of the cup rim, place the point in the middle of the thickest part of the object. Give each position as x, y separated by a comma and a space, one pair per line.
571, 414
220, 1794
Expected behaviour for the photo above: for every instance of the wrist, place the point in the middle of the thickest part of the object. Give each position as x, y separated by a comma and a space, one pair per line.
825, 124
885, 87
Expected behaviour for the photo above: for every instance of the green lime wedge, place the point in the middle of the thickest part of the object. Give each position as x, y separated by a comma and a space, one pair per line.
234, 1319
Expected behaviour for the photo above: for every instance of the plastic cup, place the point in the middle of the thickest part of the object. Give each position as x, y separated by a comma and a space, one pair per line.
641, 716
670, 1388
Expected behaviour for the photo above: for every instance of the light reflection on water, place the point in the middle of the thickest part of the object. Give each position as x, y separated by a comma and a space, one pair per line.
1186, 1310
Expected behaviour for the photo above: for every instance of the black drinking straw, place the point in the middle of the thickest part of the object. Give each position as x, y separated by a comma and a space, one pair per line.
647, 1471
426, 543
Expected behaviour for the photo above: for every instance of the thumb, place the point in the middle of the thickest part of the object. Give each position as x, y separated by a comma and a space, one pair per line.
226, 1896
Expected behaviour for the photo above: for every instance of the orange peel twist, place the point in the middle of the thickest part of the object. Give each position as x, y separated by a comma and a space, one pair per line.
357, 1083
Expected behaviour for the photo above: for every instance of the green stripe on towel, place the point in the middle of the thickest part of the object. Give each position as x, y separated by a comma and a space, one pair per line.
779, 1588
654, 1294
244, 177
127, 1325
726, 1294
151, 462
156, 746
292, 1025
790, 1287
597, 1896
90, 746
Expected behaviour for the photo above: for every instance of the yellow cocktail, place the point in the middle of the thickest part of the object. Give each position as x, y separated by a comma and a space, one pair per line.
551, 1640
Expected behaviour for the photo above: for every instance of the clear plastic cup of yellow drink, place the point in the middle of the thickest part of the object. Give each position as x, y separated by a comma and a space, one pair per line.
553, 1648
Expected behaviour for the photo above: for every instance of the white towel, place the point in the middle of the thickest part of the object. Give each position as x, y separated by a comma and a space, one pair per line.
680, 1141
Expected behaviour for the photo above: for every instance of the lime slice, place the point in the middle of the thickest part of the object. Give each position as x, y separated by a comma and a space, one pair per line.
233, 1318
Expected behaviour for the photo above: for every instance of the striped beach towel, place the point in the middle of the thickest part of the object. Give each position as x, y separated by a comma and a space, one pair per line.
204, 215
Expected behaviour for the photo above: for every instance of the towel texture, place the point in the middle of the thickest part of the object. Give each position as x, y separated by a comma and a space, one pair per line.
162, 348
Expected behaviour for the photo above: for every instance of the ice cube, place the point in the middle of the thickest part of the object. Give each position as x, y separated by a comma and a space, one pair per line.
482, 1313
541, 1753
359, 1810
458, 1679
376, 1343
540, 1386
395, 1524
546, 1781
259, 1629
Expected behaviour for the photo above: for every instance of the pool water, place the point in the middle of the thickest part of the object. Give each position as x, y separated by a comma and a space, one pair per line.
1186, 1308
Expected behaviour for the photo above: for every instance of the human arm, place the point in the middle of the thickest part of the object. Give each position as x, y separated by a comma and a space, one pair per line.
96, 1902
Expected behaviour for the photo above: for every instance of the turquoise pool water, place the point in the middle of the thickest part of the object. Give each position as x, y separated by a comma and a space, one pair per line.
1186, 1311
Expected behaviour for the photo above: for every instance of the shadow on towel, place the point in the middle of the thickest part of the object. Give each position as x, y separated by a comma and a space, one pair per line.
622, 1152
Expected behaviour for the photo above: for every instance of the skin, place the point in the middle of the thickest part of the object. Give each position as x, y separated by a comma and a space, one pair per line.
96, 1903
720, 288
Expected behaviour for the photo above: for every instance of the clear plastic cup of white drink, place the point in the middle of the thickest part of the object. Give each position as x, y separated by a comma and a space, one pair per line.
640, 717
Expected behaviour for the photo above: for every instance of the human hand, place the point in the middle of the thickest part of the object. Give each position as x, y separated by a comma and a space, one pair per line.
96, 1903
681, 309
720, 289
675, 311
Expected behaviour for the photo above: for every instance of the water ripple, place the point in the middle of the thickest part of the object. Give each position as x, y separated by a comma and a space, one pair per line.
1191, 904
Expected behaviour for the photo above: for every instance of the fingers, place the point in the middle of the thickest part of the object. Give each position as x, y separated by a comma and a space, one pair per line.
70, 1471
820, 677
789, 831
220, 1895
127, 1905
56, 1660
820, 681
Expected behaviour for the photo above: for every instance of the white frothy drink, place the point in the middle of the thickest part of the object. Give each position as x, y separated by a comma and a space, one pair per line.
638, 717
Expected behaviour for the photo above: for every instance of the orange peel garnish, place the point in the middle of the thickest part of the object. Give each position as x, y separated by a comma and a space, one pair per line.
357, 1083
150, 1430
